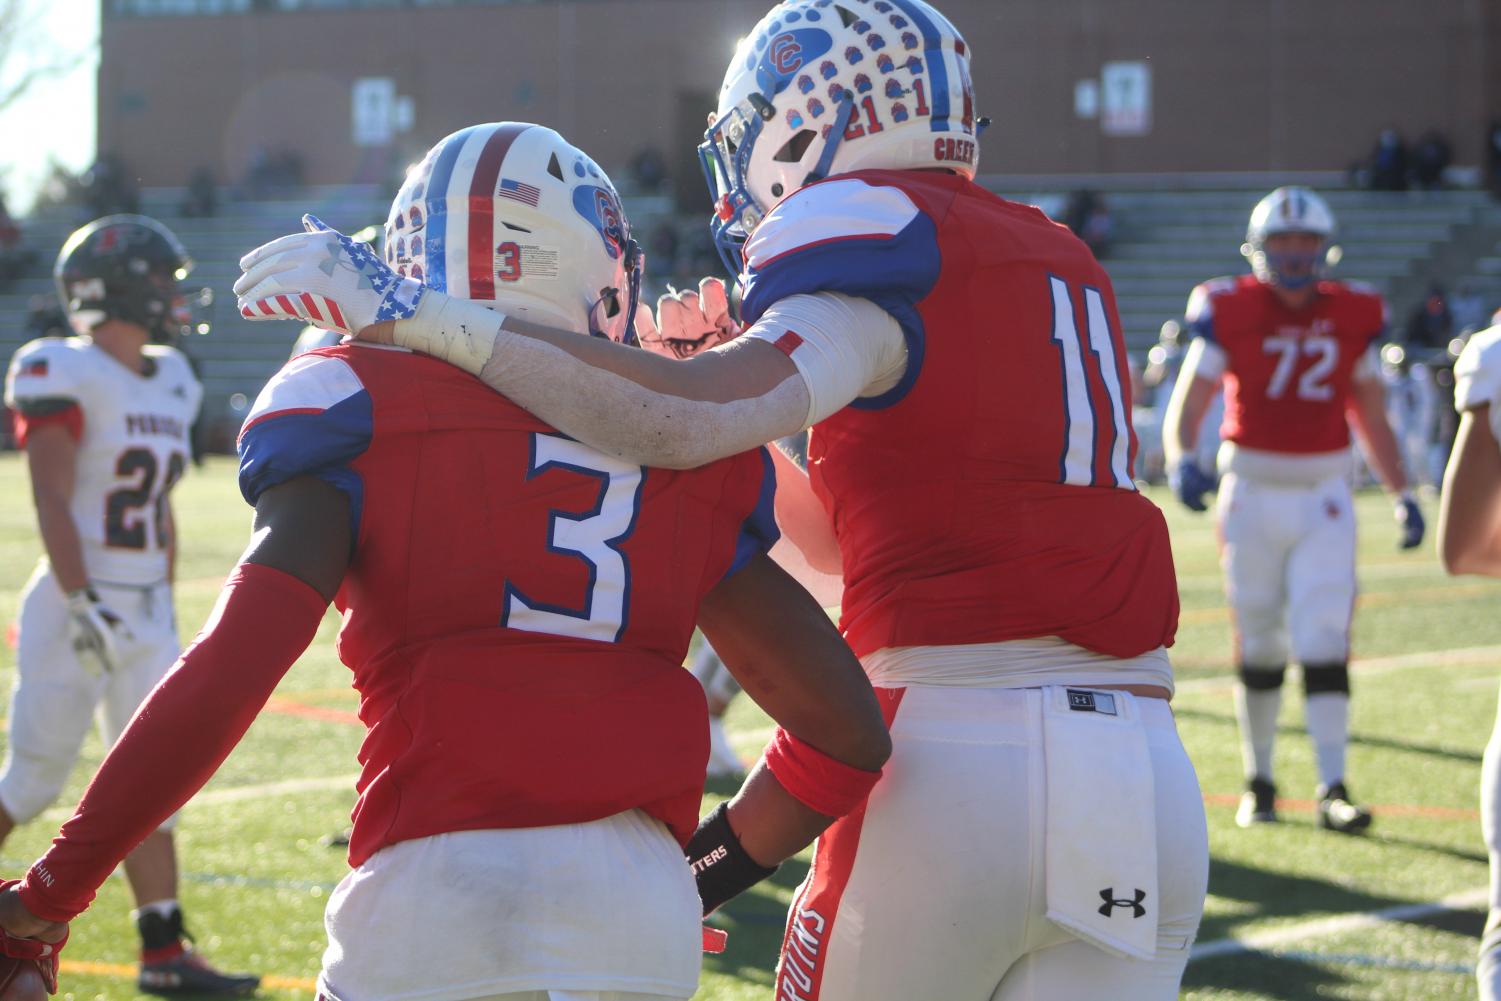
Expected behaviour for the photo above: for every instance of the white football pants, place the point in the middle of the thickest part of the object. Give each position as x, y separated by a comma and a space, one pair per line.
54, 697
936, 889
1489, 969
1288, 553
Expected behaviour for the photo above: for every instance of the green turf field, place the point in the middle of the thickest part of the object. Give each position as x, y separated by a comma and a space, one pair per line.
1427, 652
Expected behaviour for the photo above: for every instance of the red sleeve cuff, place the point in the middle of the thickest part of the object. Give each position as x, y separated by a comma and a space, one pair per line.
823, 784
69, 417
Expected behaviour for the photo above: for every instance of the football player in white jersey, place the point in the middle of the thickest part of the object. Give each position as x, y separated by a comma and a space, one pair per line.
104, 418
1469, 542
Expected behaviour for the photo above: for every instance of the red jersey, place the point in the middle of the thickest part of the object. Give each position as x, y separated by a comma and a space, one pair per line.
989, 495
1287, 372
515, 600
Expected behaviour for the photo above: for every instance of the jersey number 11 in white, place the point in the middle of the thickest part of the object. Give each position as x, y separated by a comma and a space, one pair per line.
1081, 437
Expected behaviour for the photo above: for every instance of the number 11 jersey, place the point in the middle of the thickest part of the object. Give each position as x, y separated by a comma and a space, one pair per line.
133, 435
988, 496
517, 606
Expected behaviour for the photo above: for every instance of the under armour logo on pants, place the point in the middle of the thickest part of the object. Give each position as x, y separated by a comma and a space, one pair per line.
1112, 902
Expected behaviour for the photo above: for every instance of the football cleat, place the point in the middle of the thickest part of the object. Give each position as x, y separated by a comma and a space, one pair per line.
1338, 813
189, 973
182, 970
1258, 805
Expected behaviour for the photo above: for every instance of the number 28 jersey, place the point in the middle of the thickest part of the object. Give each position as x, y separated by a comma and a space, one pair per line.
988, 496
134, 438
517, 606
1287, 373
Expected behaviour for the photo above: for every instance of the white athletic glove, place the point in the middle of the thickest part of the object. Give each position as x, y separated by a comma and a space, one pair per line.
95, 630
687, 322
323, 277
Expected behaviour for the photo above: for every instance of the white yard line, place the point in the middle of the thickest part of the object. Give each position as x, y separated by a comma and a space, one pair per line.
1377, 665
234, 794
1366, 572
751, 741
1297, 934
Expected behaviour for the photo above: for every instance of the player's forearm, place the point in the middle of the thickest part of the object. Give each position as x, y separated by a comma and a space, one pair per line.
170, 527
786, 654
1469, 519
622, 401
771, 824
1185, 413
180, 735
1367, 416
61, 541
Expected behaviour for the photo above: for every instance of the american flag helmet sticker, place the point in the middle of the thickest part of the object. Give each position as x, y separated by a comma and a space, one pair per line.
519, 191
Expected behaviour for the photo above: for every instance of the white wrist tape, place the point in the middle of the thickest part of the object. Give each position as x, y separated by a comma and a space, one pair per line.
457, 331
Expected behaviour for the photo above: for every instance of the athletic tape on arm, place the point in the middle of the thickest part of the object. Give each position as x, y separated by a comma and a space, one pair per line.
844, 347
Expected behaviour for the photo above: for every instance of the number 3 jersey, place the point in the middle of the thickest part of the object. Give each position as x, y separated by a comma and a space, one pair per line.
133, 434
988, 495
517, 606
1287, 372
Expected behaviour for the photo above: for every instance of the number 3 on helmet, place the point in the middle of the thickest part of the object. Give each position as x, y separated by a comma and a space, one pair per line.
511, 212
824, 87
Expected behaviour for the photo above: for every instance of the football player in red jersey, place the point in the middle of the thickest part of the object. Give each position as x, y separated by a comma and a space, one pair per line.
960, 362
1295, 353
1469, 542
514, 602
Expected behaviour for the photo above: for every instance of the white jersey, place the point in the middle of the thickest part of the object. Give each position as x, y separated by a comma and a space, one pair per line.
1477, 376
133, 445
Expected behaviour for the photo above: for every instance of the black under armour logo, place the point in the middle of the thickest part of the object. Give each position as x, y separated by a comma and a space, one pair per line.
1112, 902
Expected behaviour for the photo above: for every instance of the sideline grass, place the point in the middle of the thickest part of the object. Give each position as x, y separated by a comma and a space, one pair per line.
258, 876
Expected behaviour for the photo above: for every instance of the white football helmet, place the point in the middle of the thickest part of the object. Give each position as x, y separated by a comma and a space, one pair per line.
1290, 210
511, 213
824, 87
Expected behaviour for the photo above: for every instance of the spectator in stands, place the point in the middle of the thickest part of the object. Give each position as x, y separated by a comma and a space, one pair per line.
1389, 162
201, 199
1089, 218
1430, 325
45, 318
1430, 158
14, 257
109, 188
1468, 310
664, 248
273, 173
649, 170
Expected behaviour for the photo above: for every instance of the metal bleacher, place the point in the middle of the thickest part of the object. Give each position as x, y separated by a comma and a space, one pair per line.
1167, 241
1168, 237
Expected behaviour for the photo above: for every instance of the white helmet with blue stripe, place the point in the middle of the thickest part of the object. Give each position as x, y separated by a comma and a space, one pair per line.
1292, 209
510, 211
824, 87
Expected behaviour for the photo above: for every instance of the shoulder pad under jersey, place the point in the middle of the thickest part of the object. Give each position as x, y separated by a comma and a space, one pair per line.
313, 418
47, 370
1477, 374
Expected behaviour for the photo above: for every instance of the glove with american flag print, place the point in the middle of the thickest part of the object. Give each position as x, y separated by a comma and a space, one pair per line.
322, 277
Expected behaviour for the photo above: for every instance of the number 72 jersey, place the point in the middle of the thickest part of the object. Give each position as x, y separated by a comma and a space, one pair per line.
1287, 372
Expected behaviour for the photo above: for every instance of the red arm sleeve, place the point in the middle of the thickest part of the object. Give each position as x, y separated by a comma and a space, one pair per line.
181, 734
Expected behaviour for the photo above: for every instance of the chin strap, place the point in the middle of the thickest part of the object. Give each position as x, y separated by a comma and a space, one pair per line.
831, 145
